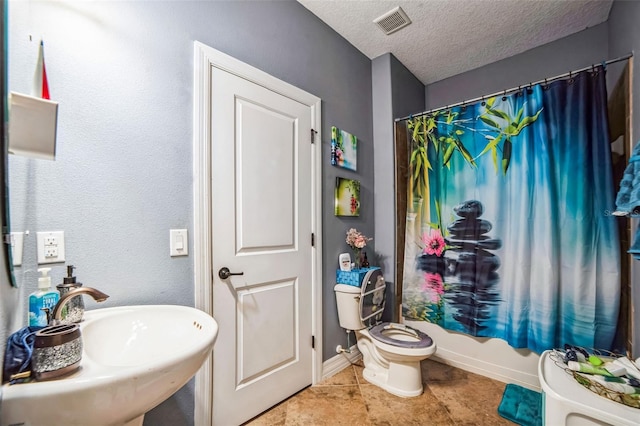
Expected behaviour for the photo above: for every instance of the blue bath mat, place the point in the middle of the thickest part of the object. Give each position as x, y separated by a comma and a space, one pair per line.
521, 406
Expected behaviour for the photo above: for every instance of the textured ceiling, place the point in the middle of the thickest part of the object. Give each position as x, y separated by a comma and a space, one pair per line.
448, 37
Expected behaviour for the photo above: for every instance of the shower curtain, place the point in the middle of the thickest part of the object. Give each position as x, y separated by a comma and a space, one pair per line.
509, 231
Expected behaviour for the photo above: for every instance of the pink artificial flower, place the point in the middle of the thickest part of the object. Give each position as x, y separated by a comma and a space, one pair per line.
433, 243
355, 239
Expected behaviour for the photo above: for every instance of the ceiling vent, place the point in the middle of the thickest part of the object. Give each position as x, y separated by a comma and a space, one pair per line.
393, 20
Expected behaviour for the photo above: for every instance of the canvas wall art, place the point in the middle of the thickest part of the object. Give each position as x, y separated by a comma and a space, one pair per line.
347, 197
344, 149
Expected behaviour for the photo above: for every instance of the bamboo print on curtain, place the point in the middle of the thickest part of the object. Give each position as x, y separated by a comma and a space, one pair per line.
508, 227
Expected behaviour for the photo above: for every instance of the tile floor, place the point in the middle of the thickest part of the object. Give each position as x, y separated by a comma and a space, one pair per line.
451, 397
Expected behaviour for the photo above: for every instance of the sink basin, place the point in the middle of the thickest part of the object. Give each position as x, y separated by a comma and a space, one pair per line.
134, 357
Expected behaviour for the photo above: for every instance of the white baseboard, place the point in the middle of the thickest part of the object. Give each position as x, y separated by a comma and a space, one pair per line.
489, 357
336, 364
490, 370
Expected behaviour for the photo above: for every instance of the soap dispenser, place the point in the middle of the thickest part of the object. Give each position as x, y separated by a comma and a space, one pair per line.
73, 311
42, 301
365, 261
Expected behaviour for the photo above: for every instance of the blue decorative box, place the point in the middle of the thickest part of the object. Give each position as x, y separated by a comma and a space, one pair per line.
353, 277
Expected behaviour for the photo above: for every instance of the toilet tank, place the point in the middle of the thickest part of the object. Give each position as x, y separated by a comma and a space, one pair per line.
348, 300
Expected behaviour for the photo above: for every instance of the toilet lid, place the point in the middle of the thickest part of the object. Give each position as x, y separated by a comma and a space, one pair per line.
372, 298
420, 339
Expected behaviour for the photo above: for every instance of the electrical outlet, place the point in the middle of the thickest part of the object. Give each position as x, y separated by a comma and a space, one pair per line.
50, 251
50, 246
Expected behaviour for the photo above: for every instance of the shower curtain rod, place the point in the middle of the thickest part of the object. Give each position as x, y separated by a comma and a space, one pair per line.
514, 89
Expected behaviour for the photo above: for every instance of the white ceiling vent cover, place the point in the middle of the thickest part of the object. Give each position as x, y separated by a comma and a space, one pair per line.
393, 20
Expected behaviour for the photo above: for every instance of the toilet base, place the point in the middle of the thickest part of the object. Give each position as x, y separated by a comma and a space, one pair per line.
405, 385
398, 375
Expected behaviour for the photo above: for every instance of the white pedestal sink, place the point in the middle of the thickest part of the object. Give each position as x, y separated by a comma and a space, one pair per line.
134, 357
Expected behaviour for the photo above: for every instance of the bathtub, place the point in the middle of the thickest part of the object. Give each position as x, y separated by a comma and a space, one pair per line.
489, 357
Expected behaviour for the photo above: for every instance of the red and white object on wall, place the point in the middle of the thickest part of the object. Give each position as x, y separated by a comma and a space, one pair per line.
40, 83
33, 119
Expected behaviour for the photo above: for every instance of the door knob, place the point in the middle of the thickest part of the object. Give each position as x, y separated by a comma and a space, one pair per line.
225, 273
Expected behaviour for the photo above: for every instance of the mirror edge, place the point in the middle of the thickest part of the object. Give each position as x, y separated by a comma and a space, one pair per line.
7, 264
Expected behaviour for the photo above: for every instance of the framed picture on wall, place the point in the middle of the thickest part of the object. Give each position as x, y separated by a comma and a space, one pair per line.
347, 197
344, 149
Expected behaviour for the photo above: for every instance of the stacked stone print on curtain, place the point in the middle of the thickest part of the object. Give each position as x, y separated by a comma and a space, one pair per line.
508, 233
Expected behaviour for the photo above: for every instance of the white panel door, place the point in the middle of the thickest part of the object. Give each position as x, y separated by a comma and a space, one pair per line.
261, 201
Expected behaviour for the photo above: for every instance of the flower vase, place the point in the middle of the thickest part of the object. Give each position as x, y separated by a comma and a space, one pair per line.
357, 258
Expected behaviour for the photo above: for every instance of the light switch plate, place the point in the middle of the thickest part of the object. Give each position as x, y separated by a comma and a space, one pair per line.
50, 246
179, 242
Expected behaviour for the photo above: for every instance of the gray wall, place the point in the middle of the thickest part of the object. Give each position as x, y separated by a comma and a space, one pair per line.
406, 90
396, 93
576, 51
381, 94
624, 37
123, 74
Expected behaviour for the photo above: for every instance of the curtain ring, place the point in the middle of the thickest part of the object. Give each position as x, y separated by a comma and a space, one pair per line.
483, 102
529, 89
504, 96
570, 77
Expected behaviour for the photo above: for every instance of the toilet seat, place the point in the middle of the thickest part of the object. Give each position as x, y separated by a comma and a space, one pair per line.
418, 338
372, 302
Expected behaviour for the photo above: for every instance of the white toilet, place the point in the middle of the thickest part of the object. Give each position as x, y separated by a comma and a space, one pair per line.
391, 352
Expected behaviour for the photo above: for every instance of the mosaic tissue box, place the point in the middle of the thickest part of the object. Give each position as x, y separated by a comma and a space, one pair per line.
353, 277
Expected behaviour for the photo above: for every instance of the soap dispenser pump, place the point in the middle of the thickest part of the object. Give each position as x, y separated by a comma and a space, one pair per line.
73, 311
42, 301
